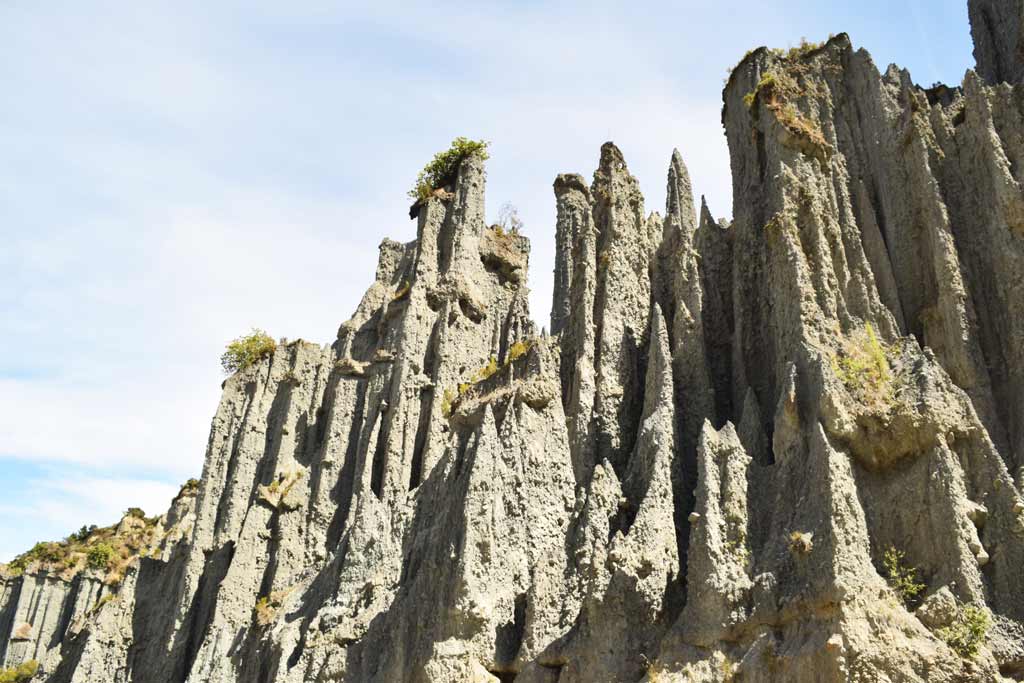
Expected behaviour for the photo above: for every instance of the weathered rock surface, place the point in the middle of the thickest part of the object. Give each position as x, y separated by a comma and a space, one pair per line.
703, 474
996, 26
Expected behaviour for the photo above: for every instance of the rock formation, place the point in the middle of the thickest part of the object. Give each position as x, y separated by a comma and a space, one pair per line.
786, 448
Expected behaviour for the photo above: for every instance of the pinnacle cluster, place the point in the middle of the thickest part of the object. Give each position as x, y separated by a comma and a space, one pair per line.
785, 448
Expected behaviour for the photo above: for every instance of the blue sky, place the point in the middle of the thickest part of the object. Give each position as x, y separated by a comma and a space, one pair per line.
173, 174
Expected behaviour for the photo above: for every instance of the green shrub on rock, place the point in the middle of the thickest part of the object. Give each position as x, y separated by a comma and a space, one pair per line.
100, 555
901, 577
967, 632
863, 366
442, 168
245, 351
22, 673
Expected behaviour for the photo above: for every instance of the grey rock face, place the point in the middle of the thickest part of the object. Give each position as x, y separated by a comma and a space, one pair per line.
996, 26
37, 609
702, 475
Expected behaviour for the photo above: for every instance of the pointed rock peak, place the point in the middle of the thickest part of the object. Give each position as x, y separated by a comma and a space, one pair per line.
678, 175
391, 258
706, 219
659, 336
567, 182
677, 165
729, 435
680, 215
708, 436
612, 177
841, 40
751, 429
459, 235
659, 366
488, 425
612, 159
719, 447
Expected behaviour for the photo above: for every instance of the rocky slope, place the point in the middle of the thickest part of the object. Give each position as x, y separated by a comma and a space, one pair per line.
56, 589
789, 448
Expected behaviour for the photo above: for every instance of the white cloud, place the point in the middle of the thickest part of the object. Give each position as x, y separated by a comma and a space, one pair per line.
53, 504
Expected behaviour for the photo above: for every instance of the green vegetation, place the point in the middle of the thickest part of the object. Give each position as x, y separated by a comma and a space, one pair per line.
442, 168
774, 88
110, 549
800, 125
863, 367
802, 50
82, 534
135, 513
100, 556
265, 613
22, 673
449, 397
779, 89
901, 577
767, 83
967, 632
447, 401
519, 349
268, 607
41, 553
280, 486
480, 375
247, 350
727, 668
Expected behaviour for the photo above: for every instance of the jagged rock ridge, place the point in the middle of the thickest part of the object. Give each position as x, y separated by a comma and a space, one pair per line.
700, 475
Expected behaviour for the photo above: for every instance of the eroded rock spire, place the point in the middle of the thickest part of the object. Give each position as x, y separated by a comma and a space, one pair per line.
785, 447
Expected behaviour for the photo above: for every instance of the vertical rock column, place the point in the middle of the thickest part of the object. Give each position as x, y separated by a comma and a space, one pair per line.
997, 27
608, 303
572, 314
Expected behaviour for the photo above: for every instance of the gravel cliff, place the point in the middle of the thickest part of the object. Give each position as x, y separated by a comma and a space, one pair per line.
703, 472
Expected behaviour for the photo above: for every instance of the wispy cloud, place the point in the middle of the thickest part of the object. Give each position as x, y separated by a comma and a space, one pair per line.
51, 502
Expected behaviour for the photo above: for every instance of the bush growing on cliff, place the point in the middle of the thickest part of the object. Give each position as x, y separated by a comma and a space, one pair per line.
447, 401
247, 350
269, 606
967, 632
804, 48
22, 673
442, 168
863, 367
83, 534
901, 577
109, 549
99, 556
518, 350
480, 375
